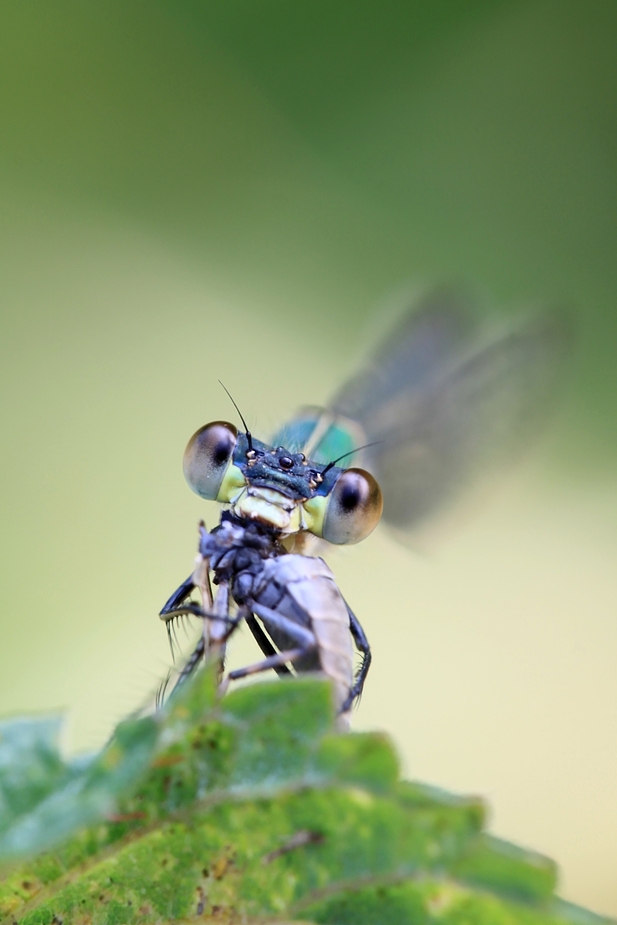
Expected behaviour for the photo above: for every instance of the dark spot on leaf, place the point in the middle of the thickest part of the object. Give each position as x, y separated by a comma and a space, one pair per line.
298, 840
167, 761
126, 817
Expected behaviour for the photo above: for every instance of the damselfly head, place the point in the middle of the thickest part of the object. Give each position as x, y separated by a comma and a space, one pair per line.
280, 488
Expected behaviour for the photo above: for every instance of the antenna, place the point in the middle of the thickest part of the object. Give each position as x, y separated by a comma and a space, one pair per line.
348, 453
246, 430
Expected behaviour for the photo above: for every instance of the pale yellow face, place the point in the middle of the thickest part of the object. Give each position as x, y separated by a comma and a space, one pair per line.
273, 508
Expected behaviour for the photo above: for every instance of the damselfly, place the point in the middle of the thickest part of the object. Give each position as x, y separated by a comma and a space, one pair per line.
440, 403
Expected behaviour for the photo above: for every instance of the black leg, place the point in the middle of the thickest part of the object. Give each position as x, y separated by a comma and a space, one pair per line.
178, 597
364, 648
176, 607
195, 610
179, 606
264, 643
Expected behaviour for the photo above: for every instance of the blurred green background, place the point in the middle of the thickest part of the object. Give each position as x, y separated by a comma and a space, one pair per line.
202, 190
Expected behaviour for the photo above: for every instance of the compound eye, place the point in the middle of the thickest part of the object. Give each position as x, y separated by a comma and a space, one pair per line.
353, 509
207, 458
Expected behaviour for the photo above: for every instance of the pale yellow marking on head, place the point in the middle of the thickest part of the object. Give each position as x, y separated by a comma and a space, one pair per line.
314, 514
233, 482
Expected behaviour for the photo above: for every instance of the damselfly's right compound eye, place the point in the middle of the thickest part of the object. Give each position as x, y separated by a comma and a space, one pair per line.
353, 509
208, 457
349, 512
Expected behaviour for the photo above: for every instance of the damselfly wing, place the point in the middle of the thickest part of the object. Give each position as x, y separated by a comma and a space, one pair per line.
443, 403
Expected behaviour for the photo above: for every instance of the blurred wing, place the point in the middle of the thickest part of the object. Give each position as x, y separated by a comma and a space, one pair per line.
448, 406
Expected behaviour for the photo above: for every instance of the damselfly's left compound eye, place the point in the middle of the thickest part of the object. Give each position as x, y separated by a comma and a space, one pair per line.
207, 458
353, 508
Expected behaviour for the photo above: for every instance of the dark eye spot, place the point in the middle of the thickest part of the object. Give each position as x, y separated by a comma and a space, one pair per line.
220, 452
286, 462
350, 497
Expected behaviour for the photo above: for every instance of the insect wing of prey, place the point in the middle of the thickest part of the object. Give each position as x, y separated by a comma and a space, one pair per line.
444, 403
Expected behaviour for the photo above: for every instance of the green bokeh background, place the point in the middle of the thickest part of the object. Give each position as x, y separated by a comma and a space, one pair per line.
202, 190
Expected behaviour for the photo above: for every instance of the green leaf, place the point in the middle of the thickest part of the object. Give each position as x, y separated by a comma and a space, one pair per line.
44, 799
507, 869
251, 809
30, 765
429, 900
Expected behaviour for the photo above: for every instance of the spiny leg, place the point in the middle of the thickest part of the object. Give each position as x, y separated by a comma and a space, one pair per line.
193, 610
177, 606
364, 648
178, 597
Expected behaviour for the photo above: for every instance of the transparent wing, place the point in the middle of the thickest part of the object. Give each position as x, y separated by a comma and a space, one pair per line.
449, 403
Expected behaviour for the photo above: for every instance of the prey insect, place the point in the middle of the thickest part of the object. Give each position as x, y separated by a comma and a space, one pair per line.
439, 404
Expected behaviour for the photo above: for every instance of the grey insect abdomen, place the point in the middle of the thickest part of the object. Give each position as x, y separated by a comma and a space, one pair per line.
303, 589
